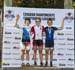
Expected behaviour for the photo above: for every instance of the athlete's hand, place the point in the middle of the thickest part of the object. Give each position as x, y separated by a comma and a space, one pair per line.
17, 17
63, 20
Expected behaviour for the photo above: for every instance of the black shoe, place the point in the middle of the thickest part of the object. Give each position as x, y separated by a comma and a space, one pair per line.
51, 65
35, 64
41, 64
22, 65
46, 64
27, 64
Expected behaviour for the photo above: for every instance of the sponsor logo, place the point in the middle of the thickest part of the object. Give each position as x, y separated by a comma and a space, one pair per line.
6, 64
7, 42
9, 15
70, 49
68, 27
54, 59
60, 54
71, 59
69, 54
70, 39
6, 58
70, 44
16, 58
7, 47
69, 34
15, 64
16, 33
70, 64
8, 37
7, 53
16, 42
61, 64
69, 17
16, 47
18, 38
61, 38
60, 33
15, 53
61, 43
62, 59
8, 33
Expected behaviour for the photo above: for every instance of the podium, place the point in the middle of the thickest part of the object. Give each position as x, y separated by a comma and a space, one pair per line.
38, 68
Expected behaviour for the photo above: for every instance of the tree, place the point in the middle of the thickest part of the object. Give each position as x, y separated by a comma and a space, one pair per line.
1, 3
39, 3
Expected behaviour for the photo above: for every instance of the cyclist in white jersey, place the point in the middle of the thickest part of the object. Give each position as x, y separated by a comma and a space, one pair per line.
38, 31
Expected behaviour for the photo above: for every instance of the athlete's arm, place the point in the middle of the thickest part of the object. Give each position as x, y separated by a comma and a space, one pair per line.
16, 22
32, 31
43, 30
62, 25
44, 33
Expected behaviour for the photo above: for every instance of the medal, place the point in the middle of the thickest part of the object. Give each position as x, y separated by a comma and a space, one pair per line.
49, 31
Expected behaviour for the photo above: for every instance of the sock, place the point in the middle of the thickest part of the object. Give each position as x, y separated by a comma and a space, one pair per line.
22, 61
46, 64
35, 62
40, 62
27, 61
51, 63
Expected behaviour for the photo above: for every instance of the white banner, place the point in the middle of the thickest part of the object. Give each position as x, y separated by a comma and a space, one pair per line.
64, 39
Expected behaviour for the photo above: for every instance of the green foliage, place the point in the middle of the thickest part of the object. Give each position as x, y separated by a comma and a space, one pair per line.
1, 3
39, 3
73, 0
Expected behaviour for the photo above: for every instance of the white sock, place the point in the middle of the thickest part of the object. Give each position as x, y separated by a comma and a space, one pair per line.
27, 61
22, 61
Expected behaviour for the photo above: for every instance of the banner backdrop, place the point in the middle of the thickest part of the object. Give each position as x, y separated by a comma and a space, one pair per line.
64, 39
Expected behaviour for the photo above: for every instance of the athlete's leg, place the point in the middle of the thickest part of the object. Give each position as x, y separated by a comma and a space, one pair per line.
46, 56
34, 55
40, 54
22, 55
27, 52
22, 48
27, 58
51, 56
35, 51
27, 55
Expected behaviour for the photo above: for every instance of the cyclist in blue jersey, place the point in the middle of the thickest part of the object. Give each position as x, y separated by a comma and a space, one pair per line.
49, 41
25, 42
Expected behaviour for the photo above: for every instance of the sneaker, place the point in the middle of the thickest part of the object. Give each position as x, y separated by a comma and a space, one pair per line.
41, 64
35, 64
27, 64
46, 64
22, 65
